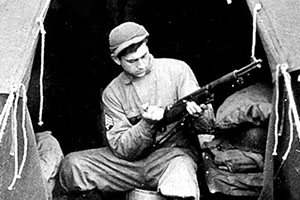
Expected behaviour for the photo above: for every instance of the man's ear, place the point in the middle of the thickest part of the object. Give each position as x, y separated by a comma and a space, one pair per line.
115, 59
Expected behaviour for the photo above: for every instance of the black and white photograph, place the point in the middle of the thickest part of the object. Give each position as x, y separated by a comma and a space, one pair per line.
149, 100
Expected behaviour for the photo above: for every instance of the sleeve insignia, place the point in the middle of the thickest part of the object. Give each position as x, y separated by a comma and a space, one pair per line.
109, 122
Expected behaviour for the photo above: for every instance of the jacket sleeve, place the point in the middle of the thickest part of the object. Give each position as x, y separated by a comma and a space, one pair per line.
126, 141
186, 80
188, 84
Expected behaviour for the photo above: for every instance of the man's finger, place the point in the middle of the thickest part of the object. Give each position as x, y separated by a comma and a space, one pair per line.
203, 106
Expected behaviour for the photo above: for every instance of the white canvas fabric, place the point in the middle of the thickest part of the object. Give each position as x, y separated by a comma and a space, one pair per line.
278, 24
19, 32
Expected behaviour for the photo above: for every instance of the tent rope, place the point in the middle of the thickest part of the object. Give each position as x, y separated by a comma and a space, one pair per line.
6, 110
292, 111
14, 143
12, 104
293, 107
276, 110
24, 131
40, 21
257, 7
284, 157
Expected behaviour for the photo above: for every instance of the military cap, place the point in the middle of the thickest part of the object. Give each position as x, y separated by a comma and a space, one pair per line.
124, 35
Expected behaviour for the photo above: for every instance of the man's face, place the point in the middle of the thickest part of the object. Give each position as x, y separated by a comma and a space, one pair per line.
137, 63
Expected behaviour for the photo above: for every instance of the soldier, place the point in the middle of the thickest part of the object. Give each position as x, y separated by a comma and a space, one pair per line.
133, 102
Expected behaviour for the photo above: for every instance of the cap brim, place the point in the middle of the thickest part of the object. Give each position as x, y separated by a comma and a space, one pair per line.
128, 43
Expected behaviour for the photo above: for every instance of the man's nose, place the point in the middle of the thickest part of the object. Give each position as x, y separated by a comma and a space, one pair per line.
140, 63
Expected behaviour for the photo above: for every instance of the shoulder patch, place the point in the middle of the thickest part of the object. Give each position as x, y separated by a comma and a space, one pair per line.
109, 122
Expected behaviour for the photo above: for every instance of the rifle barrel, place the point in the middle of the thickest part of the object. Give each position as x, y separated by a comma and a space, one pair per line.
178, 109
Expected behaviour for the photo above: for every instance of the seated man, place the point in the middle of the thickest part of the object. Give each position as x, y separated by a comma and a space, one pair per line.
133, 103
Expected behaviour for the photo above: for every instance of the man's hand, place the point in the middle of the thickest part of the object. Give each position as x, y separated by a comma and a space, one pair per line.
194, 109
204, 117
152, 113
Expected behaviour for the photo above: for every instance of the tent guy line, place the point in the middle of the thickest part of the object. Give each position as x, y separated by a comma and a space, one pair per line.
40, 21
12, 104
292, 113
255, 12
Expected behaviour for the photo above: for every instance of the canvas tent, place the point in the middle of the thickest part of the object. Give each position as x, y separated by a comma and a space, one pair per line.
20, 171
278, 24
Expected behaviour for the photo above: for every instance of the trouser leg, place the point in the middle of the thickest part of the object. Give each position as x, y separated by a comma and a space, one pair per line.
170, 170
178, 174
50, 154
98, 168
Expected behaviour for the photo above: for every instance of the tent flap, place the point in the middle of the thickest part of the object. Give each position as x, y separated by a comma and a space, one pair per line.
20, 170
279, 26
19, 30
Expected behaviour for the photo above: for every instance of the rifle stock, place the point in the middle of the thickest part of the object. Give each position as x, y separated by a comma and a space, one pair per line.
205, 94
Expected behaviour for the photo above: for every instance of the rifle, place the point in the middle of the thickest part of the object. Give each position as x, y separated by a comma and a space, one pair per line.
205, 95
